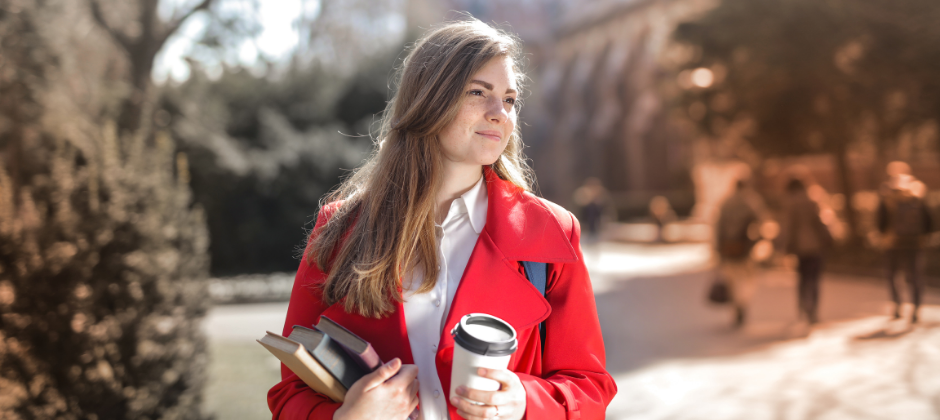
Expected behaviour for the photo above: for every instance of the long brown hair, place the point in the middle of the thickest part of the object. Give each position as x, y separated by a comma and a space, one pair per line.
385, 224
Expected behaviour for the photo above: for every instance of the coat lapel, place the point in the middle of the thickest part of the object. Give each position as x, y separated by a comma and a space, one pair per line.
519, 227
523, 227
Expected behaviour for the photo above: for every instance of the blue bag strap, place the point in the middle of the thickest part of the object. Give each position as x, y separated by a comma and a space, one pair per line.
537, 274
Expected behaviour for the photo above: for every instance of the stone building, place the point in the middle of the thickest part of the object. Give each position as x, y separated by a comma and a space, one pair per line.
604, 114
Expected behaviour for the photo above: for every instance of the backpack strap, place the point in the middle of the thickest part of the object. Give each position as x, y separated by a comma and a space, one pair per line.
537, 274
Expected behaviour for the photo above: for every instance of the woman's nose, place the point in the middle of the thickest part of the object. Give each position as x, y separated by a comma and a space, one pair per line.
495, 111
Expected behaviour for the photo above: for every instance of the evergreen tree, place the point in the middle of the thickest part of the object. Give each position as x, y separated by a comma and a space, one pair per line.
102, 256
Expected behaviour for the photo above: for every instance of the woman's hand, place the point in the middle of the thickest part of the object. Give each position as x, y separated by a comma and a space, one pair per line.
391, 392
508, 403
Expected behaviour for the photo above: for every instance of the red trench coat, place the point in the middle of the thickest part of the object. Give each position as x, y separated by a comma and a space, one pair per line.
566, 381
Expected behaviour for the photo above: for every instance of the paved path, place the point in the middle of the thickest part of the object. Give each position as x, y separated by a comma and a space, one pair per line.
675, 357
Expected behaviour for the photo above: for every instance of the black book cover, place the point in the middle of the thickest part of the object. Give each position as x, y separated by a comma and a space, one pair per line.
330, 354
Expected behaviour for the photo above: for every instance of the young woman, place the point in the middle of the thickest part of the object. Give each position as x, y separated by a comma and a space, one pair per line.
435, 227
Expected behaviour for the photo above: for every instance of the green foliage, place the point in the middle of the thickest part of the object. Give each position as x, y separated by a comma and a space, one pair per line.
264, 149
102, 257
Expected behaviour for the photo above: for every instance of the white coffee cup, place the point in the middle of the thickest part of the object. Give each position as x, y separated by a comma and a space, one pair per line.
480, 341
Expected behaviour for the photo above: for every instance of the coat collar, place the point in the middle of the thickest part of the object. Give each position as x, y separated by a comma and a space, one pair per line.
522, 226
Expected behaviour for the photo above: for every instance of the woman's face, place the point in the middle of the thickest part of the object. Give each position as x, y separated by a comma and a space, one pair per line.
486, 118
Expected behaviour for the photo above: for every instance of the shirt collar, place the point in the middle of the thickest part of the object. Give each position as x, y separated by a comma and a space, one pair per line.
474, 202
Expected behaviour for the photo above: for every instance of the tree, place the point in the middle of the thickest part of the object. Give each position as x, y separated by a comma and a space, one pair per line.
811, 76
141, 42
264, 152
267, 145
102, 255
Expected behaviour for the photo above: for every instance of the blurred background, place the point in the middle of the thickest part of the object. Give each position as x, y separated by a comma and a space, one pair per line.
162, 160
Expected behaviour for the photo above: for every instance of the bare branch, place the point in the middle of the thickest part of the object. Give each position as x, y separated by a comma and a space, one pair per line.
118, 36
176, 22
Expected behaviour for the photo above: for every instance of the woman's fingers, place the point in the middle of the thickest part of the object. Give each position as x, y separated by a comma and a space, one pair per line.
510, 398
406, 375
485, 397
415, 386
414, 403
382, 374
471, 411
506, 380
413, 389
503, 376
413, 399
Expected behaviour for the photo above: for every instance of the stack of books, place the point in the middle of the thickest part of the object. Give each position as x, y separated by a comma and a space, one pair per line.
328, 357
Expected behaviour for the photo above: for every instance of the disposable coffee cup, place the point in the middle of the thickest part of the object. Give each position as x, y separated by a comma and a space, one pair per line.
480, 341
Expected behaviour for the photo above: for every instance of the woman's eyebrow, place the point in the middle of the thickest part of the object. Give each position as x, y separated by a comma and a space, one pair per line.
489, 86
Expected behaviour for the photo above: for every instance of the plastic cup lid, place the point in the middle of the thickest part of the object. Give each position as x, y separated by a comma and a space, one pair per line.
480, 345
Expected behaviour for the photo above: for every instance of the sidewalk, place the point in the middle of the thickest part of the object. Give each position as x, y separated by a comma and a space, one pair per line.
676, 357
240, 370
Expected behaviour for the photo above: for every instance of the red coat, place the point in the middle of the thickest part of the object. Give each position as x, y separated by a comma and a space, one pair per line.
566, 381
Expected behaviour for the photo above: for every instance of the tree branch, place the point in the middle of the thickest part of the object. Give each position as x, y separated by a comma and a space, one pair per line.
176, 22
118, 36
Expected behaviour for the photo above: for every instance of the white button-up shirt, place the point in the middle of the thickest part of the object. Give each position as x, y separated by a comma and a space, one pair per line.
425, 312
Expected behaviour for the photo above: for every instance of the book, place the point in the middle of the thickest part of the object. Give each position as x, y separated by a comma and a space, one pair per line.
296, 357
360, 350
330, 354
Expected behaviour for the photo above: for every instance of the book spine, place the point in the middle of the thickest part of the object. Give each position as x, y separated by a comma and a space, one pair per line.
302, 364
344, 368
370, 358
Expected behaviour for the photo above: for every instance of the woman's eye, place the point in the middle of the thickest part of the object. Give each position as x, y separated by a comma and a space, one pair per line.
511, 101
476, 92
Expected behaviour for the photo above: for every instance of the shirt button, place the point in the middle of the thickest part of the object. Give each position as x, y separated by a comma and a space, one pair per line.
437, 302
437, 393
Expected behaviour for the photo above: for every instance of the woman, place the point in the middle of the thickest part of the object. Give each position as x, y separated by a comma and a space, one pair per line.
434, 227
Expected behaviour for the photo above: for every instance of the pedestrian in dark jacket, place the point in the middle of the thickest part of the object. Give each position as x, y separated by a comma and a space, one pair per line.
733, 239
904, 221
806, 236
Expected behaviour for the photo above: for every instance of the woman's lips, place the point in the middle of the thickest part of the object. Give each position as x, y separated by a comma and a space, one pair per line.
492, 135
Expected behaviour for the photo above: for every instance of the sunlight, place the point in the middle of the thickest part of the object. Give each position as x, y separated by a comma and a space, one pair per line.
279, 36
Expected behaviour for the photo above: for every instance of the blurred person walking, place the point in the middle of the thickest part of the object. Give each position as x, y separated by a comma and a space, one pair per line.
805, 235
734, 241
662, 214
594, 201
904, 222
